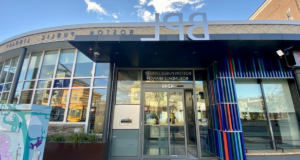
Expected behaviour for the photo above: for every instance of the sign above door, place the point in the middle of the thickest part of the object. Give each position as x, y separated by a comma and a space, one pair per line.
167, 75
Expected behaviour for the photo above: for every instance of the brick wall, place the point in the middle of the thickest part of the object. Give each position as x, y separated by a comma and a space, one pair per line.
63, 129
277, 9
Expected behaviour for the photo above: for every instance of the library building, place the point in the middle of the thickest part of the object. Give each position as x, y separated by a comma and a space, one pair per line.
164, 90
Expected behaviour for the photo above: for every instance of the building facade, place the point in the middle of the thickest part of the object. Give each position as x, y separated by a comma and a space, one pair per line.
278, 10
225, 97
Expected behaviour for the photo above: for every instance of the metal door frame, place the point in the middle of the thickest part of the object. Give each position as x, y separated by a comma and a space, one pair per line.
153, 87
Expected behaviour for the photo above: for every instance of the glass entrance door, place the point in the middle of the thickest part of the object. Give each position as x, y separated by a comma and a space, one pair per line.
164, 123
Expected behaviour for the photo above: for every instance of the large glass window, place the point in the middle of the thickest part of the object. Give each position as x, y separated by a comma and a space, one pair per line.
97, 110
4, 71
102, 70
253, 114
65, 63
47, 69
129, 83
78, 105
34, 65
84, 66
282, 113
12, 70
38, 85
41, 97
26, 97
58, 103
24, 67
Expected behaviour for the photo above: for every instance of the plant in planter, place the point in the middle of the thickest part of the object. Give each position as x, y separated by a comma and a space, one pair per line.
75, 146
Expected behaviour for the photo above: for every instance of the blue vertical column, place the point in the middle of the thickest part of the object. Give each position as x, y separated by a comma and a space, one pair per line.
227, 128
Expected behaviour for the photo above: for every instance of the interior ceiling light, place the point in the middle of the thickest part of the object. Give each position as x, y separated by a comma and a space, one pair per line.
280, 53
155, 52
194, 52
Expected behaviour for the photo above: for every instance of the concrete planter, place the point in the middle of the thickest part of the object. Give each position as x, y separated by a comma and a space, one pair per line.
86, 151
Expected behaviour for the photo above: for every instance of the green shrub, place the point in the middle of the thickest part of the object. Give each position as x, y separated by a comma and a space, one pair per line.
55, 138
74, 138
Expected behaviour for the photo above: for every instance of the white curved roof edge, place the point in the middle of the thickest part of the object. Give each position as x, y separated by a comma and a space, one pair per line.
149, 24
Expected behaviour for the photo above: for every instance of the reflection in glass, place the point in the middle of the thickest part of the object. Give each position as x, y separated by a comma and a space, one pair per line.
65, 63
102, 69
47, 69
4, 97
177, 132
7, 87
58, 103
4, 71
78, 105
41, 97
1, 66
44, 84
34, 65
29, 85
254, 119
129, 84
1, 87
100, 82
282, 113
156, 139
26, 97
81, 82
12, 70
61, 83
96, 120
19, 86
24, 67
84, 66
16, 98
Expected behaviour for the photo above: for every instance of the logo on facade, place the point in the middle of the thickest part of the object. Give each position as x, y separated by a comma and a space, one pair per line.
180, 26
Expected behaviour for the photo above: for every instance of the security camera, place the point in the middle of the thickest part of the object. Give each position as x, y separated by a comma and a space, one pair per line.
96, 54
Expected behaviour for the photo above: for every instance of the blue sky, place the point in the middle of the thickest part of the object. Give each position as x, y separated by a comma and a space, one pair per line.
19, 16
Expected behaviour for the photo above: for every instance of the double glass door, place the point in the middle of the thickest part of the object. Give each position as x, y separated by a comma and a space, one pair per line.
164, 127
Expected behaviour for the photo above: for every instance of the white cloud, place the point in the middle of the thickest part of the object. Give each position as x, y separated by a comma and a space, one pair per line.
164, 6
115, 15
94, 7
198, 6
142, 2
132, 13
144, 14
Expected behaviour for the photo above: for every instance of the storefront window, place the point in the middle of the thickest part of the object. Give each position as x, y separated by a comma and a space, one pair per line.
282, 113
84, 66
58, 104
203, 114
26, 97
128, 87
24, 67
47, 69
253, 114
100, 82
97, 111
34, 65
4, 97
44, 84
81, 82
41, 97
65, 63
5, 70
12, 70
102, 70
78, 105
